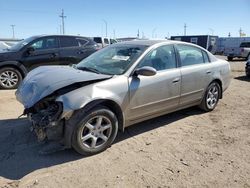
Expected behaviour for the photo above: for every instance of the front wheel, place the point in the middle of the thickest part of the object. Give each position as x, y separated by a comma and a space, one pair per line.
211, 97
10, 78
96, 131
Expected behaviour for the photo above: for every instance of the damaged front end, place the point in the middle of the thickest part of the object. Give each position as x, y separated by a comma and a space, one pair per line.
45, 118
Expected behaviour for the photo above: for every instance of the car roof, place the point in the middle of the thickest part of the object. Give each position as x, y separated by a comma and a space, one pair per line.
77, 36
151, 42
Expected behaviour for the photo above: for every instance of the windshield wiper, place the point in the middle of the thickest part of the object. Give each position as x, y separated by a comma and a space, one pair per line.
89, 69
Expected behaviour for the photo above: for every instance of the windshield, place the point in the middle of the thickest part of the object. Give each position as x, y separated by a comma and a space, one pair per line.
113, 60
21, 44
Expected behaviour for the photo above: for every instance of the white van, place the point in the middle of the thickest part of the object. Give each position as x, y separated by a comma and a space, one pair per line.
103, 41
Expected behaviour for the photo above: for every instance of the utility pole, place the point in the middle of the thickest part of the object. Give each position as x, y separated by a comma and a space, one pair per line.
63, 17
185, 29
114, 34
138, 33
13, 31
240, 31
106, 26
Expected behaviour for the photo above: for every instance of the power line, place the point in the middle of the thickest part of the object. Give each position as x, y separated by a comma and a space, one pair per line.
63, 17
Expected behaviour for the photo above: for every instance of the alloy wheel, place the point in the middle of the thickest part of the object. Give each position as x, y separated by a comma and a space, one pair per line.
212, 97
96, 132
9, 79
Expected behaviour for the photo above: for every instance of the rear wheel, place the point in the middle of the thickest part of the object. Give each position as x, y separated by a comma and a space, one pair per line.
10, 78
95, 132
211, 97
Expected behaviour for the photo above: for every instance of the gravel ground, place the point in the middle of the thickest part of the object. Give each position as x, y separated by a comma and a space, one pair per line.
188, 148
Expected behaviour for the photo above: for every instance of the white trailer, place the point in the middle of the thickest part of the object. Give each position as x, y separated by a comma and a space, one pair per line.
227, 44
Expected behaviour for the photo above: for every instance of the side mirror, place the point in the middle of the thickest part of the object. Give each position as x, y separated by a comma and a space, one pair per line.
145, 71
30, 50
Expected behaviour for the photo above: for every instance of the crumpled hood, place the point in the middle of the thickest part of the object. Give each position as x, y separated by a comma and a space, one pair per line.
44, 80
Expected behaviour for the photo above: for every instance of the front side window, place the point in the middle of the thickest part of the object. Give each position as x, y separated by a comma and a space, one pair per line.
45, 43
161, 58
190, 55
68, 42
113, 60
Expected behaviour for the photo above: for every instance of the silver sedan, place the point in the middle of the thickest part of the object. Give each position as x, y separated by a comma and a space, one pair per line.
83, 106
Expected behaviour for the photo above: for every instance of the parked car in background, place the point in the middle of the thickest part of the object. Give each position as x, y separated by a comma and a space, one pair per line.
248, 68
243, 51
41, 50
83, 106
3, 46
104, 41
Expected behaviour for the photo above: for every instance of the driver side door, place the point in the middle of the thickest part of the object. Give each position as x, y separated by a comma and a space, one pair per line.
46, 52
151, 96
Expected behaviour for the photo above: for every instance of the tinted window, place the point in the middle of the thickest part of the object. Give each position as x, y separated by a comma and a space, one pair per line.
190, 55
45, 43
98, 39
106, 41
160, 58
245, 45
68, 42
82, 42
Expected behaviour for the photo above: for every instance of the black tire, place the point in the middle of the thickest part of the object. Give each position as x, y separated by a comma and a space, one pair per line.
81, 128
229, 58
207, 106
15, 81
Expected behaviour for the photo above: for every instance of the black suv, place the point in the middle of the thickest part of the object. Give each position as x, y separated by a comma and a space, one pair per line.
35, 51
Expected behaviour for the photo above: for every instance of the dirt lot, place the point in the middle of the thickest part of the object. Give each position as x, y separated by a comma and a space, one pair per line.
183, 149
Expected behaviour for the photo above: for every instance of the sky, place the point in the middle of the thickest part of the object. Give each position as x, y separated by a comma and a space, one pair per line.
153, 18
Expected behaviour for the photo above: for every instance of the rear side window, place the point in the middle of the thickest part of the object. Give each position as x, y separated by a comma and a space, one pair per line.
82, 42
68, 42
245, 45
190, 55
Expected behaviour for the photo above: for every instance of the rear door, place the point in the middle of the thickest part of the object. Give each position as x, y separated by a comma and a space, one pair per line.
46, 52
87, 47
151, 95
196, 73
69, 50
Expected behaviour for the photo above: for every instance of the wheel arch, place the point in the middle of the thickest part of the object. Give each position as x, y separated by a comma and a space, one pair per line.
70, 124
15, 64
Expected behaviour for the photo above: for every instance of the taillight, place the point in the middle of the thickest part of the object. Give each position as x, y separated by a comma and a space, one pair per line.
242, 49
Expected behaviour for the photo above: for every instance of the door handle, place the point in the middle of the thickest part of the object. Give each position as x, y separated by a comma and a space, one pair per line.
80, 52
53, 55
209, 72
176, 80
